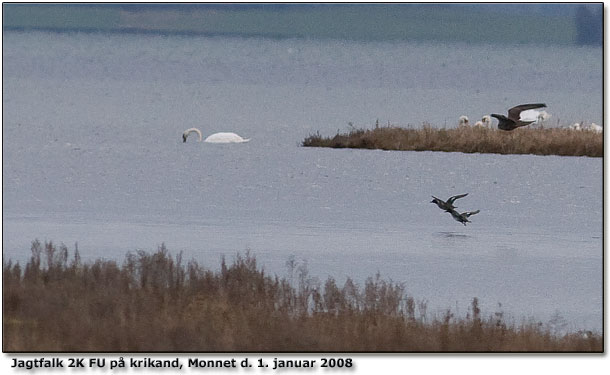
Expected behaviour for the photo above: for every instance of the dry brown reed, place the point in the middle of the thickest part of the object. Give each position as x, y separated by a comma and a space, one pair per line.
156, 303
537, 141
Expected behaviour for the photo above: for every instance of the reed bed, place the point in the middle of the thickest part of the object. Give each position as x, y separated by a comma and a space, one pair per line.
154, 302
537, 141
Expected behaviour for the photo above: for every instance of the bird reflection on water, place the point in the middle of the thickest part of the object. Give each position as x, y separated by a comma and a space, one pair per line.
453, 235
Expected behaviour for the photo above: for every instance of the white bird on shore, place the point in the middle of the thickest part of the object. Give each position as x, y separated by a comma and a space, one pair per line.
575, 126
486, 120
595, 128
463, 121
221, 137
543, 116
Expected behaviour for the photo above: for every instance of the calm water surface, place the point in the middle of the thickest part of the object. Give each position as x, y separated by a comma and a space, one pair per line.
92, 153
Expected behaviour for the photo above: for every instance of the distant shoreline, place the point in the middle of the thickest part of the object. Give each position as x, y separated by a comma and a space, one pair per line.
136, 31
365, 22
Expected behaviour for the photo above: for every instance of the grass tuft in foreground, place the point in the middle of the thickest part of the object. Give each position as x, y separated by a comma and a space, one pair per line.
537, 141
155, 302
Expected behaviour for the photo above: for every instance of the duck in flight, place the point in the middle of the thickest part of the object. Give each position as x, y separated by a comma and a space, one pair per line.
463, 217
447, 206
514, 121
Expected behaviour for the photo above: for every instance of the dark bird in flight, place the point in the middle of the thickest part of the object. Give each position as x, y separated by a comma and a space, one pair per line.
513, 121
463, 217
447, 206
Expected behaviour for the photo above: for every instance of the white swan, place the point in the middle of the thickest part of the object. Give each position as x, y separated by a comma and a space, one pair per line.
595, 128
486, 120
189, 131
223, 137
543, 116
575, 126
215, 138
463, 121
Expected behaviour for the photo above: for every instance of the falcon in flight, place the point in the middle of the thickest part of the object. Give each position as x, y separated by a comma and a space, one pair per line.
513, 121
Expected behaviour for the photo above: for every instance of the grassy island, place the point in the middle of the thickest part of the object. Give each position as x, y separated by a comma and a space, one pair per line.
155, 303
537, 141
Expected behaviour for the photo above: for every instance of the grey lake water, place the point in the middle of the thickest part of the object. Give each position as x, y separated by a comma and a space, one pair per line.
93, 153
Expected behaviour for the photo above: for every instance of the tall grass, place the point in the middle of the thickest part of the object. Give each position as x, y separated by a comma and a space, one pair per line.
538, 141
156, 302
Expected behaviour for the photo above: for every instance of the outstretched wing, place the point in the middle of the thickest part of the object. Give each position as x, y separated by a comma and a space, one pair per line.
452, 199
469, 214
515, 112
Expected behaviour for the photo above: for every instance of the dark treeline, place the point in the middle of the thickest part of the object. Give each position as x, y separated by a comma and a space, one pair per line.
515, 23
154, 302
589, 25
551, 9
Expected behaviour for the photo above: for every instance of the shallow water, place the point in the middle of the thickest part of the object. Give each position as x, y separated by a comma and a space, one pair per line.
92, 153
